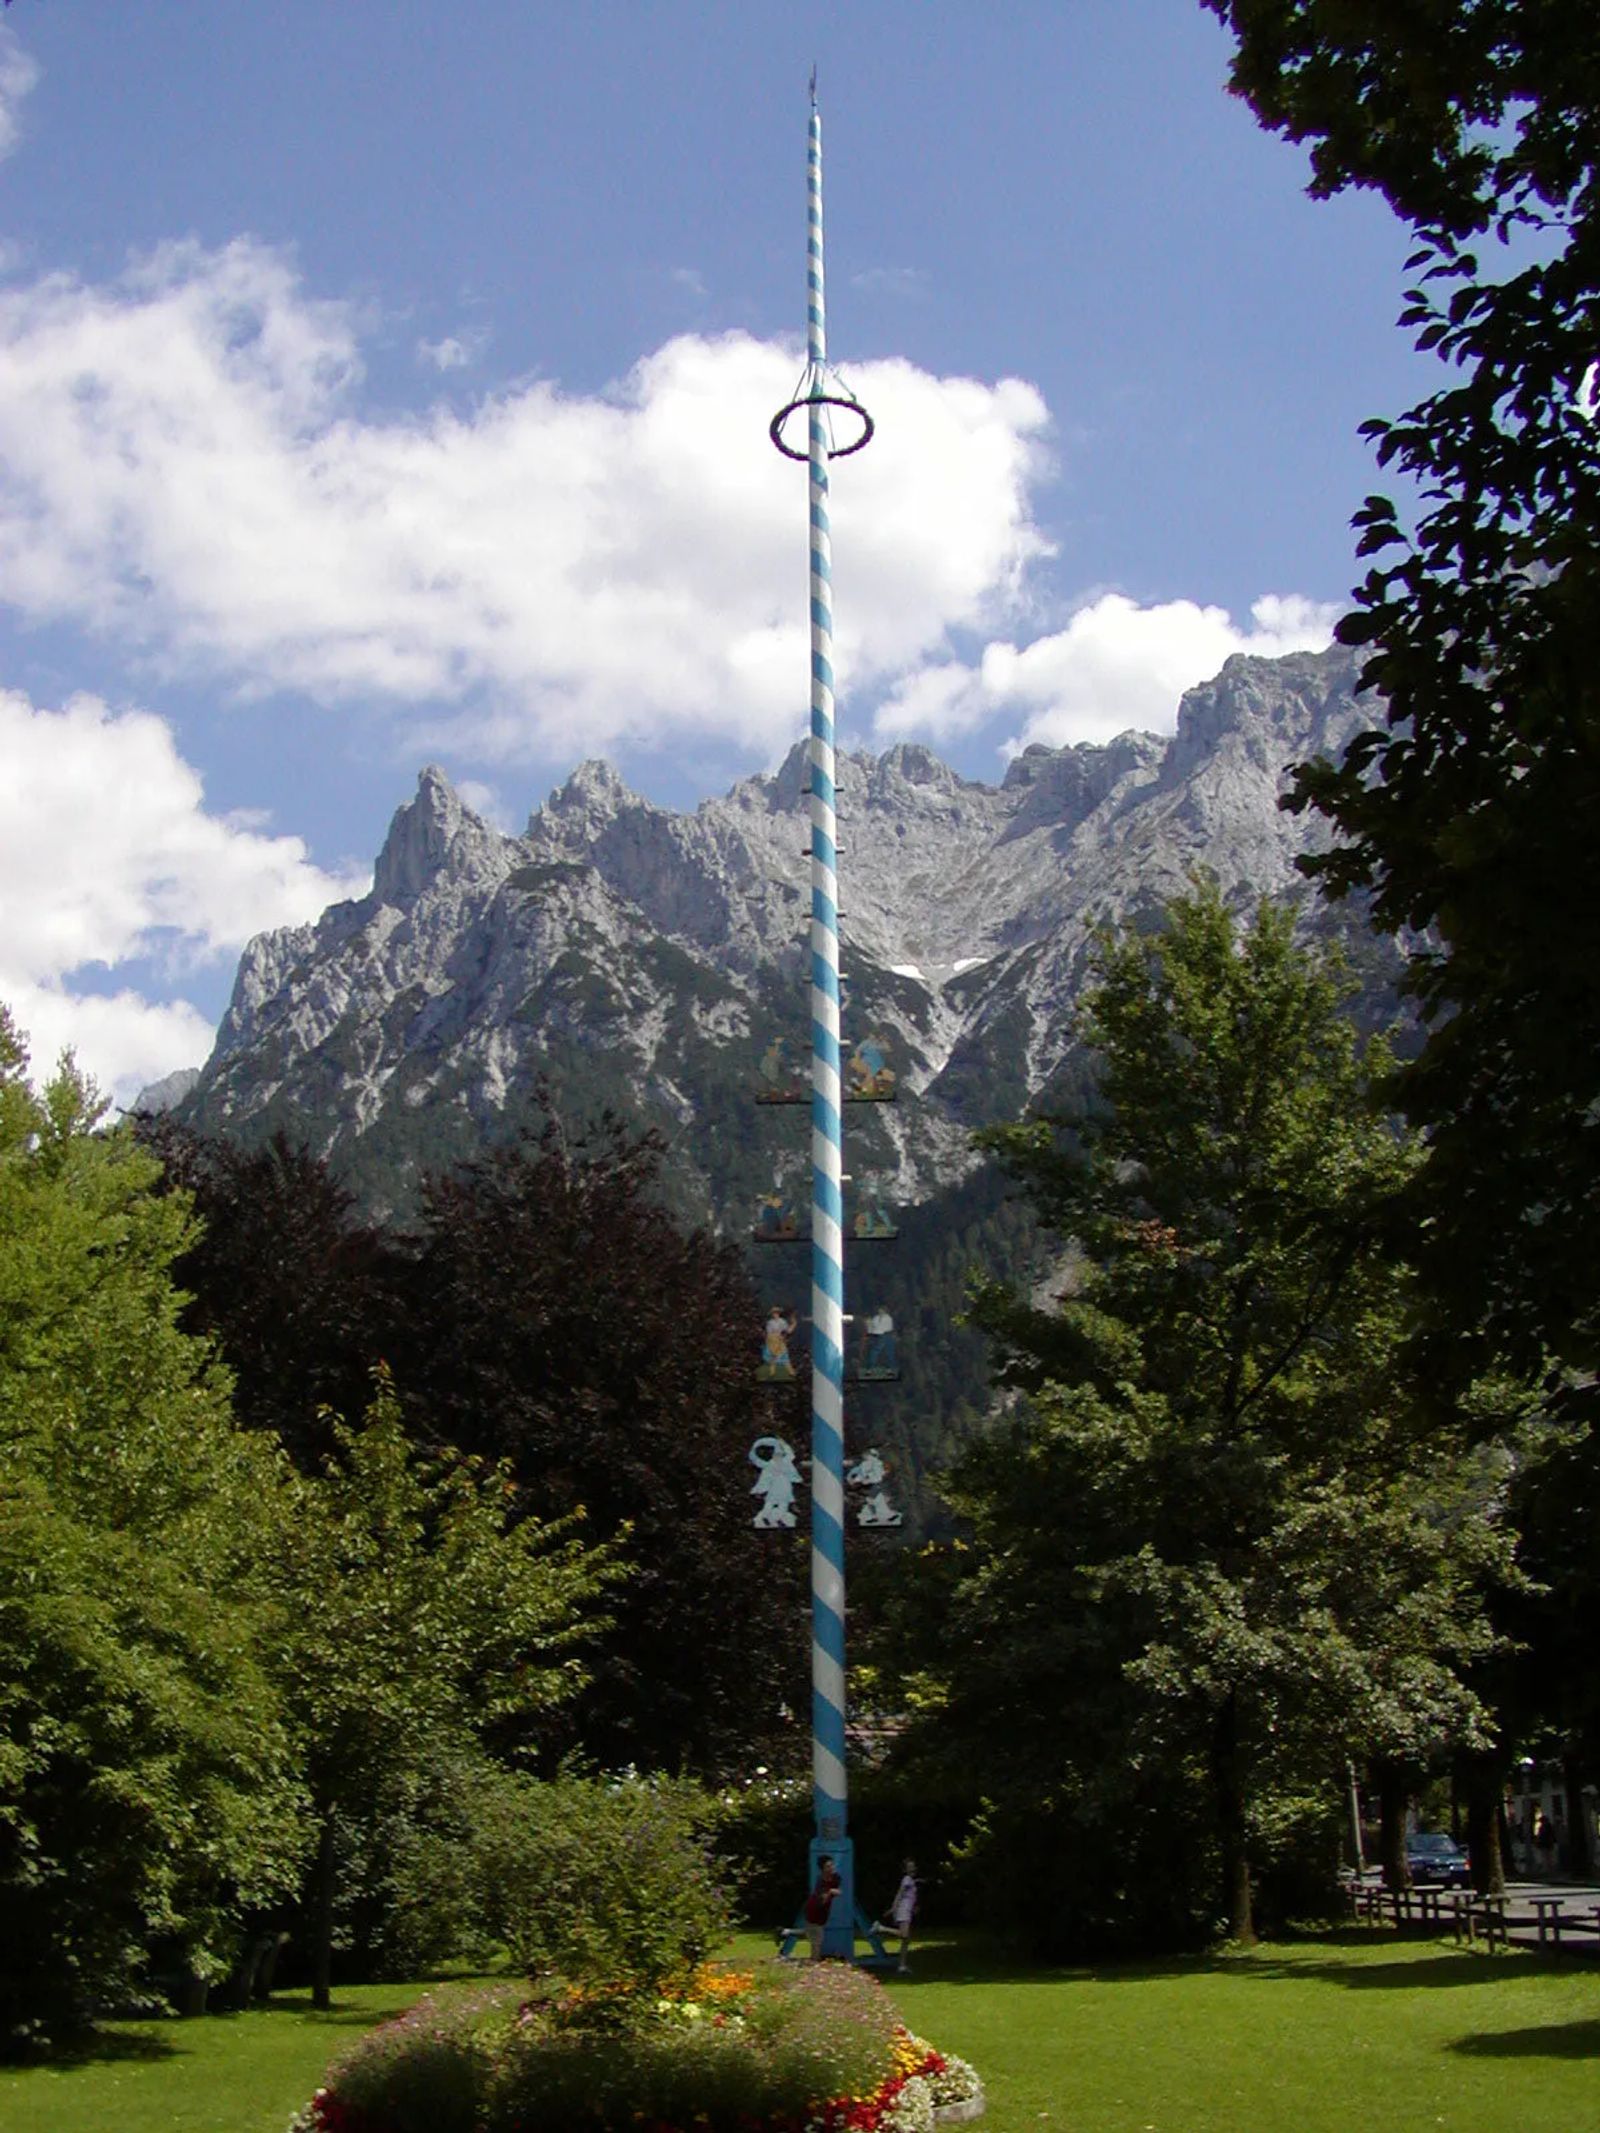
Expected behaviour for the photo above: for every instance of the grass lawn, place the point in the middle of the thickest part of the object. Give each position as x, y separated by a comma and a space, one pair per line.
1353, 2032
242, 2073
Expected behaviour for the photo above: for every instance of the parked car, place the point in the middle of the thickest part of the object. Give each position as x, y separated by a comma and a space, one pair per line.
1437, 1861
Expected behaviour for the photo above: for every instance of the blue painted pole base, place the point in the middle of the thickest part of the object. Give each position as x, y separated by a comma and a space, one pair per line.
847, 1923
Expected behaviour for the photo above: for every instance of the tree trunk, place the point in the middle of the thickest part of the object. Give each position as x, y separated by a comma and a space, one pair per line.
1485, 1783
1390, 1779
322, 1918
1232, 1828
1580, 1853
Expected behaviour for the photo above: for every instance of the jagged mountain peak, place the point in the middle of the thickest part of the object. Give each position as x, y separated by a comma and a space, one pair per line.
1302, 703
594, 788
648, 956
910, 767
427, 835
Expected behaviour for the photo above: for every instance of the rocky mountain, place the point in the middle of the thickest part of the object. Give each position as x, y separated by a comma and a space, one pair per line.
616, 954
621, 953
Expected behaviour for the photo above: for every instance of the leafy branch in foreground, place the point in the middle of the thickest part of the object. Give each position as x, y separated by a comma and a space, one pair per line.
1468, 812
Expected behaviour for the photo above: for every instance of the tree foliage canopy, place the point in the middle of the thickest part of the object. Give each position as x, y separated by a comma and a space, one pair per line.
1470, 814
206, 1654
1210, 1552
148, 1787
562, 1320
546, 1310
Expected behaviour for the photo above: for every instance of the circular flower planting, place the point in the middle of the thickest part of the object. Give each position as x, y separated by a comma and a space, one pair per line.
791, 2049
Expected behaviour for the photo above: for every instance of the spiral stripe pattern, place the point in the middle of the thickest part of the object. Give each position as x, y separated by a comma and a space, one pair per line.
829, 1786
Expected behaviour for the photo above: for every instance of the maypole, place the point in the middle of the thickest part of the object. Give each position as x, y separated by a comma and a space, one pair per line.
829, 1785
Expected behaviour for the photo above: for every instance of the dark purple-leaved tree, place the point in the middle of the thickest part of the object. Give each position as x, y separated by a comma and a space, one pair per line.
561, 1318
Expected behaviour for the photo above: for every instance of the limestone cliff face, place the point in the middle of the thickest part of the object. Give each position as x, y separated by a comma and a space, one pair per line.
627, 954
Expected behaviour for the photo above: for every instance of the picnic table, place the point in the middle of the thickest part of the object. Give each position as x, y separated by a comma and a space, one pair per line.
1558, 1921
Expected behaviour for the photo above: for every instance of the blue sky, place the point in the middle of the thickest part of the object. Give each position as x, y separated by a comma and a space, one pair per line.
387, 382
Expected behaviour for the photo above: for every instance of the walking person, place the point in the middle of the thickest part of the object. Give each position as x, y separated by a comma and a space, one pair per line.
902, 1911
820, 1902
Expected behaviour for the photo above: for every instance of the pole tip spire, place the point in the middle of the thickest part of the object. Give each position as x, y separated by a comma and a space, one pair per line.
813, 85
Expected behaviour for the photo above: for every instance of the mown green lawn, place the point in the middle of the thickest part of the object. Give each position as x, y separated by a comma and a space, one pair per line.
244, 2073
1343, 2034
1339, 2035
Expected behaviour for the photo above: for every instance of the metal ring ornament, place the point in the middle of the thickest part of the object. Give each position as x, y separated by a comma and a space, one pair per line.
775, 427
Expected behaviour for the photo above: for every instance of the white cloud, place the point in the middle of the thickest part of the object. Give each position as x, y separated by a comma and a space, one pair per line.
185, 468
455, 352
1115, 665
108, 857
19, 74
689, 279
485, 801
124, 1040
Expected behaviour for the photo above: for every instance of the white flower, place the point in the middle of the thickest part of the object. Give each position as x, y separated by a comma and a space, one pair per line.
956, 2083
912, 2109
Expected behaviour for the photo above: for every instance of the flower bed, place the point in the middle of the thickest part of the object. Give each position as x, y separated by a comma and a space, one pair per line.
795, 2049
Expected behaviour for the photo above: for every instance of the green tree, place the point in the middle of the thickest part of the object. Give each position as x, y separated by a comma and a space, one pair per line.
148, 1794
1468, 812
551, 1310
416, 1616
1209, 1549
562, 1319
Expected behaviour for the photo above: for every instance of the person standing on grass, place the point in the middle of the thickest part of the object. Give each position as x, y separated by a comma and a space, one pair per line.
902, 1911
820, 1902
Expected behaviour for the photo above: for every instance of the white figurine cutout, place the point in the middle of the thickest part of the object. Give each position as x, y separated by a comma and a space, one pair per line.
777, 1478
868, 1470
878, 1511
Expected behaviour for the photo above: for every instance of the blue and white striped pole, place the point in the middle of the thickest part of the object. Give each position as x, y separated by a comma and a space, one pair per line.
829, 1789
829, 1786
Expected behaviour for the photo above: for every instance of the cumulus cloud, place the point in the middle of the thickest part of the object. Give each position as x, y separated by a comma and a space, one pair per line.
123, 1040
1115, 665
108, 856
18, 76
185, 467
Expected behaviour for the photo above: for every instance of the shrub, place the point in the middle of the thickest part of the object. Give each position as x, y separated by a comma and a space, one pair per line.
428, 2072
606, 1884
1079, 1875
762, 1830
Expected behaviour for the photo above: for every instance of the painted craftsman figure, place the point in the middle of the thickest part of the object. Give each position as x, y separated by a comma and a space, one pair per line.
869, 1071
777, 1478
779, 1082
775, 1216
873, 1218
775, 1361
878, 1351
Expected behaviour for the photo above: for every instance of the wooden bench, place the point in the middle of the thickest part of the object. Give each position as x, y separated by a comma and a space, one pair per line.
1553, 1913
1489, 1912
1546, 1916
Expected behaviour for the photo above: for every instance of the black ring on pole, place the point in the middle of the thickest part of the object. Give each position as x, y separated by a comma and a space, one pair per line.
775, 427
